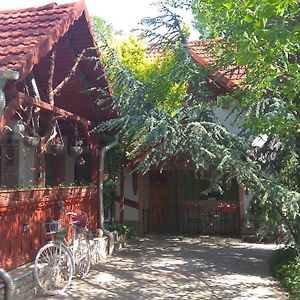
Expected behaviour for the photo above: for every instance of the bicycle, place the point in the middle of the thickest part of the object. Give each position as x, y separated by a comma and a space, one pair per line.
56, 262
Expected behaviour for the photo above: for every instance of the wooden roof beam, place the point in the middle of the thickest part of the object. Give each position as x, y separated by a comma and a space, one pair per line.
20, 98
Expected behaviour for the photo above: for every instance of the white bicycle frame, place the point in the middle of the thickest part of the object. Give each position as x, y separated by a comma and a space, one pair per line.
72, 249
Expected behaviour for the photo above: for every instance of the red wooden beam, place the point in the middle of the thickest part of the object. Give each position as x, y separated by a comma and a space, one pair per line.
130, 203
122, 195
20, 98
93, 145
47, 106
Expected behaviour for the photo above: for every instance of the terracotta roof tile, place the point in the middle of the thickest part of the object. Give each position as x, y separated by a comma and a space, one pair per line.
26, 35
201, 53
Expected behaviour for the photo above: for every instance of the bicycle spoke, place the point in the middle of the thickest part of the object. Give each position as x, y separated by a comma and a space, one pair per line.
53, 268
83, 255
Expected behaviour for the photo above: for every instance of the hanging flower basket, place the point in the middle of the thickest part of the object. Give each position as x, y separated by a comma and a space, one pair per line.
31, 141
57, 144
76, 150
57, 148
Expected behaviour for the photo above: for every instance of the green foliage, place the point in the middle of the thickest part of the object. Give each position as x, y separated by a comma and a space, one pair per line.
106, 29
265, 38
150, 68
285, 264
160, 131
123, 229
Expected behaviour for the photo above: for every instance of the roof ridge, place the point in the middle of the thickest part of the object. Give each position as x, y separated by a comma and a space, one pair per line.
27, 13
51, 5
47, 6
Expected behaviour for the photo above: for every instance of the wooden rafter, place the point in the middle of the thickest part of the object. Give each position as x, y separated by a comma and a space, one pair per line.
71, 73
20, 98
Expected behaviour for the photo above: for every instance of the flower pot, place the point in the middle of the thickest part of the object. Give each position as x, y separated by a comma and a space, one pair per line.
76, 150
57, 148
31, 141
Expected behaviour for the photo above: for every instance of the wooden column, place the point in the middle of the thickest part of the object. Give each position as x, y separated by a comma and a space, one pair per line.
242, 208
141, 199
122, 195
40, 173
93, 145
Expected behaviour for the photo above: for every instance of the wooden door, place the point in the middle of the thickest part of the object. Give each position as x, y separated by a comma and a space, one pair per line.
159, 210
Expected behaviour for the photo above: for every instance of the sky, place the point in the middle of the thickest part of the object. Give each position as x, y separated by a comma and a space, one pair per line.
122, 14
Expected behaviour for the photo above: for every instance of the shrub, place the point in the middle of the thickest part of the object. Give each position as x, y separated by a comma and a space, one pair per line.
123, 229
285, 265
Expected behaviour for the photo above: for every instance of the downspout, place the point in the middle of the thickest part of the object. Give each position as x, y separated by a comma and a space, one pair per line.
4, 77
9, 284
101, 211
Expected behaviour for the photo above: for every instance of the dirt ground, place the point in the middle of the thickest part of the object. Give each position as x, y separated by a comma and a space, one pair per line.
168, 267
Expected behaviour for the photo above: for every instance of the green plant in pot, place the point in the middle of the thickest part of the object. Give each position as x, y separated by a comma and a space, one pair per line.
77, 148
61, 233
57, 146
125, 230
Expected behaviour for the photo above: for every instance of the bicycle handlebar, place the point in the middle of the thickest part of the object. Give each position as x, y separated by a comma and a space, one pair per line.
71, 213
79, 219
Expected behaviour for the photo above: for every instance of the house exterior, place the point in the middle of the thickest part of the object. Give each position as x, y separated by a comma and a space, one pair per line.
175, 200
49, 156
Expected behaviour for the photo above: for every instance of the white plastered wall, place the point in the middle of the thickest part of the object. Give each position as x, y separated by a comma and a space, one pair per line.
230, 119
26, 159
233, 122
27, 162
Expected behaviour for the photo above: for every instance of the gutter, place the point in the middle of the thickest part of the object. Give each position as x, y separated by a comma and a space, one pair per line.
9, 284
101, 210
4, 77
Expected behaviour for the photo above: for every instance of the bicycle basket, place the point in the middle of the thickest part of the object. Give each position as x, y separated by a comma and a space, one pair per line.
80, 220
53, 226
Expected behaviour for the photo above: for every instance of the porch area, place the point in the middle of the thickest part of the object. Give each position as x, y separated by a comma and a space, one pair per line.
182, 202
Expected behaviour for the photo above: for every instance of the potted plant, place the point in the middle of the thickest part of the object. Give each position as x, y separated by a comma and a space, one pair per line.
57, 146
77, 148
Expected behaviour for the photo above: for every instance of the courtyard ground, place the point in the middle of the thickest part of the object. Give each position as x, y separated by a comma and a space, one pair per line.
168, 267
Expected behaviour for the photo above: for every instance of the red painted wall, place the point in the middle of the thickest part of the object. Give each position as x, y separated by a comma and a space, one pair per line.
35, 207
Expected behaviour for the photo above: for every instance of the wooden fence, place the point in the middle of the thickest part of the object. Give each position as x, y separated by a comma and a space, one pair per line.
23, 214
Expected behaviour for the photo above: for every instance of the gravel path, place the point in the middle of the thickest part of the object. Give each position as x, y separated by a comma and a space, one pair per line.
165, 267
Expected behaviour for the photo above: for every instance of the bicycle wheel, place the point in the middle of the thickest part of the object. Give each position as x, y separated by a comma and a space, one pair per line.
53, 268
83, 254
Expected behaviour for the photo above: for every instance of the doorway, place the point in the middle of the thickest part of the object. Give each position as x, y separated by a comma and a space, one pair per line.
159, 208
